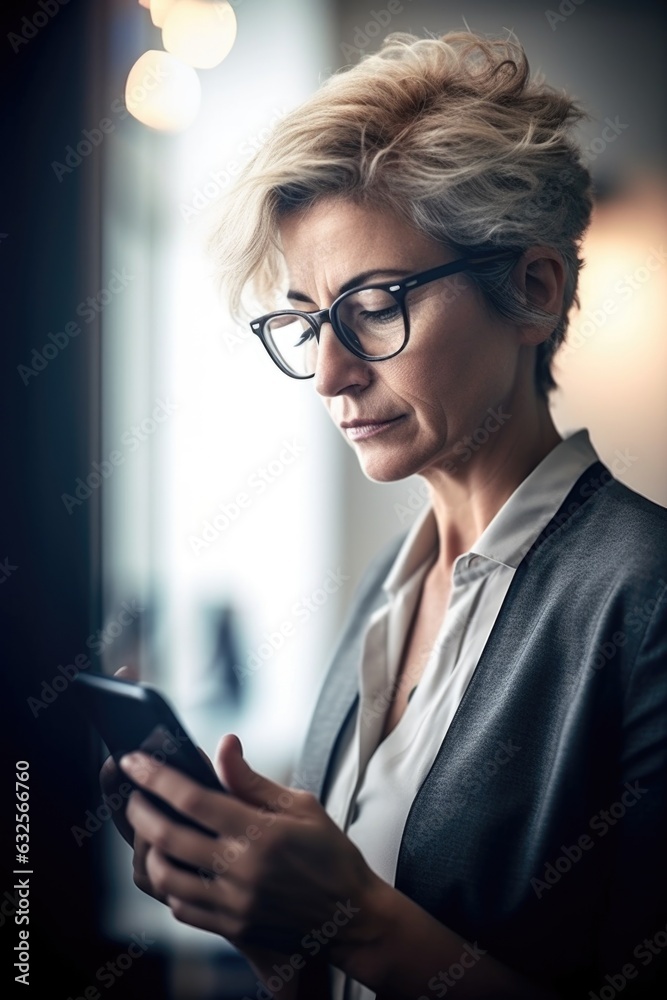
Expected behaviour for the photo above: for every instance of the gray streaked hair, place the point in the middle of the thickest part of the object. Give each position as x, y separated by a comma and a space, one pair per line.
454, 135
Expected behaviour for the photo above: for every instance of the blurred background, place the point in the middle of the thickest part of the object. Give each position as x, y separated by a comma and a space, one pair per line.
183, 506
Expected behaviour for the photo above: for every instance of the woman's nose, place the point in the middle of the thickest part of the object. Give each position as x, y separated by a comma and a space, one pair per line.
337, 368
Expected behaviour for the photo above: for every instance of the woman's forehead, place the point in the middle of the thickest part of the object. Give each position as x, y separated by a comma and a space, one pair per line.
336, 238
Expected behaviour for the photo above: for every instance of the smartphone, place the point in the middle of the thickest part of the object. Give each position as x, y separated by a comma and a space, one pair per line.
133, 716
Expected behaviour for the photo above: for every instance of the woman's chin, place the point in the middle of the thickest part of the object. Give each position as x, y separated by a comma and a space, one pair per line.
384, 469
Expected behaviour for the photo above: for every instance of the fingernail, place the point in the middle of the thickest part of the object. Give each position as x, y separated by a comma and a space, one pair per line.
130, 762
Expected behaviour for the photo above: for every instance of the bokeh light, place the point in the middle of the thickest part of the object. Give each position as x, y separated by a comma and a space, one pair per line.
163, 92
199, 32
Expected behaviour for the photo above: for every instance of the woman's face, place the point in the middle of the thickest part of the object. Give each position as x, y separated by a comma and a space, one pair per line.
459, 364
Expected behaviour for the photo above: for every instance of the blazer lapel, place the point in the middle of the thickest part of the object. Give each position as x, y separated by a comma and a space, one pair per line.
340, 693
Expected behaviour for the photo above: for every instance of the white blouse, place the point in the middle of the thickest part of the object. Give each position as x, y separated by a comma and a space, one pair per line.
375, 783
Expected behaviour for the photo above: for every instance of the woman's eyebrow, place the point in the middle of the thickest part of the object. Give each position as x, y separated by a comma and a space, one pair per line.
358, 279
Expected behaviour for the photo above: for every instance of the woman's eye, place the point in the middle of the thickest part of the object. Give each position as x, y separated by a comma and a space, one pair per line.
380, 315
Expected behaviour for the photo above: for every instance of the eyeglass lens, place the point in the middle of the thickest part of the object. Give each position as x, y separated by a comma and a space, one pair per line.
371, 321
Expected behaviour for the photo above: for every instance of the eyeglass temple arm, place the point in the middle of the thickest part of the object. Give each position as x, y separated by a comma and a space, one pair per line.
460, 265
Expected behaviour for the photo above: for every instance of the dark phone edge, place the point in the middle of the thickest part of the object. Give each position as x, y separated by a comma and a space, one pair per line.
149, 695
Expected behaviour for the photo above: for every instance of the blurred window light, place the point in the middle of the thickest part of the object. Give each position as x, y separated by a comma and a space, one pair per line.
231, 585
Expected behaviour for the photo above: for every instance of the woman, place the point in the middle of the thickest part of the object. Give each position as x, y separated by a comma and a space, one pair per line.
481, 798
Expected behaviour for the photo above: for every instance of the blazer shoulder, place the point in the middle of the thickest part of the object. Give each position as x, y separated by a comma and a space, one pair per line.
635, 525
605, 530
635, 506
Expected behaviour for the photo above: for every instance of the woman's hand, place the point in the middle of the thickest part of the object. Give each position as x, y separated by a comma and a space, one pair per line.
279, 879
111, 779
275, 874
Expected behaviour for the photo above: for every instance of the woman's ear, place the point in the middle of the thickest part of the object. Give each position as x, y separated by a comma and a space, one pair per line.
540, 275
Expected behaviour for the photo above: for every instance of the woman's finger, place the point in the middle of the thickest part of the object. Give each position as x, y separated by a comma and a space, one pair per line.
112, 780
172, 838
249, 785
220, 812
204, 890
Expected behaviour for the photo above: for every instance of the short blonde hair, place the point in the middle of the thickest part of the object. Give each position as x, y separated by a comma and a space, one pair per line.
454, 135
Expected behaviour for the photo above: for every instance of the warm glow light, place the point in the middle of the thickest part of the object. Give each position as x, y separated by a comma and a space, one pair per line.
162, 92
145, 3
159, 9
611, 369
200, 32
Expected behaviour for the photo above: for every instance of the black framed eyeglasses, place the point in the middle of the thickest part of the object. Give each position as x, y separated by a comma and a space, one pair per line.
372, 322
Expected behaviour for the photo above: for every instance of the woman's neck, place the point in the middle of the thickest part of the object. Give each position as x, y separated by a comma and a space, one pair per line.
466, 499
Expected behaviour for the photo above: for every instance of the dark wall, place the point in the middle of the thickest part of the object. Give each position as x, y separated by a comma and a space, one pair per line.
51, 69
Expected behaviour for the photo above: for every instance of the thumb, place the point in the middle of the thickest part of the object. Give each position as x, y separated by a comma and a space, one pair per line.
250, 786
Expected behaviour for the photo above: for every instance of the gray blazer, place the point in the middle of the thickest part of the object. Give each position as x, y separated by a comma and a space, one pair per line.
540, 830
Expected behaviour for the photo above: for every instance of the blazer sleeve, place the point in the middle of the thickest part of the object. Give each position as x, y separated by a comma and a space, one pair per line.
634, 927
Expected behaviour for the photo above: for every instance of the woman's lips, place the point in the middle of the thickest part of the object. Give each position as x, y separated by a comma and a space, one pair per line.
361, 431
